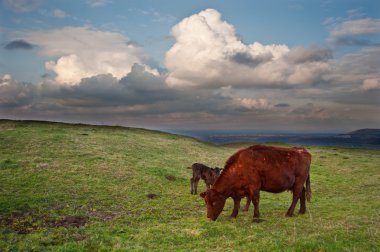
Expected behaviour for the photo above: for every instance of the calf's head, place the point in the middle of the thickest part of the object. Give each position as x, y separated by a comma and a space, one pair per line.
217, 170
211, 176
215, 203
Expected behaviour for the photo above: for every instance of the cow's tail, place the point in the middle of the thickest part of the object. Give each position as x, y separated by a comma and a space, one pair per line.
308, 189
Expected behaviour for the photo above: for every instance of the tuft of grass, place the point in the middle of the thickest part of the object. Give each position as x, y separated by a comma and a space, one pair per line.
8, 164
81, 187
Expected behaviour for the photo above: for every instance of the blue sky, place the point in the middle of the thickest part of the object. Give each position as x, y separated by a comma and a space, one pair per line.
247, 64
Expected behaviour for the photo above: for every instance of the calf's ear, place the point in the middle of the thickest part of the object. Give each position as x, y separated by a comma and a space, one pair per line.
203, 194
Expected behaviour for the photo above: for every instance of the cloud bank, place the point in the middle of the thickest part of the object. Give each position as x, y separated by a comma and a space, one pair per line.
212, 80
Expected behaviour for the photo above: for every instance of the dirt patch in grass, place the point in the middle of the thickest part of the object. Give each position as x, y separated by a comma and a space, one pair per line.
27, 222
170, 177
71, 221
152, 196
34, 220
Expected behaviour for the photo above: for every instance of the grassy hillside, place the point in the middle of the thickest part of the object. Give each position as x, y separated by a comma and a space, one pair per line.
76, 187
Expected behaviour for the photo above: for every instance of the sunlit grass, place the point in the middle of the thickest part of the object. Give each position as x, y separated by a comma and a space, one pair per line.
104, 174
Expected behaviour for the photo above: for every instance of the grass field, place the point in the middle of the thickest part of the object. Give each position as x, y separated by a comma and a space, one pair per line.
76, 187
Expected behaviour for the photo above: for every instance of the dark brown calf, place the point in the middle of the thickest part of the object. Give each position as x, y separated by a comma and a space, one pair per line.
261, 168
201, 171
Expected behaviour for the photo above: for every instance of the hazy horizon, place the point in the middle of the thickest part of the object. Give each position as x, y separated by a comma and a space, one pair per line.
269, 66
195, 131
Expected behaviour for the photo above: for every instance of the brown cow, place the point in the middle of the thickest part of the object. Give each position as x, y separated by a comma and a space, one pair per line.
201, 171
261, 168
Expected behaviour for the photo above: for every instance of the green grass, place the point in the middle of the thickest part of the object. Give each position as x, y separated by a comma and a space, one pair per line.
49, 171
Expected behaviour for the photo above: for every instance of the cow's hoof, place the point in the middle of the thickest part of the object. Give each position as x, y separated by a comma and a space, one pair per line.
288, 215
257, 220
302, 212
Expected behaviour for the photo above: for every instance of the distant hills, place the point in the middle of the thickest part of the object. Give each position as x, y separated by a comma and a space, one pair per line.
369, 136
362, 138
364, 132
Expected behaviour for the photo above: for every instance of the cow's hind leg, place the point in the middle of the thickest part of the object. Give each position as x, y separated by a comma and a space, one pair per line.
255, 196
303, 201
297, 190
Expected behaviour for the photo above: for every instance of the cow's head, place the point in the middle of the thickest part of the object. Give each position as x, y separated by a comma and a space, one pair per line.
215, 203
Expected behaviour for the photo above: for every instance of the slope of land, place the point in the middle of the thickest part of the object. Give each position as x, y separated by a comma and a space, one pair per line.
78, 187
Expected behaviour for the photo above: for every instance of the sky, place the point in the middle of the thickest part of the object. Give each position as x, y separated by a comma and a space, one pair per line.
284, 65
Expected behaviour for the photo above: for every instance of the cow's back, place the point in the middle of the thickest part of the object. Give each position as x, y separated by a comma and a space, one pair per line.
275, 169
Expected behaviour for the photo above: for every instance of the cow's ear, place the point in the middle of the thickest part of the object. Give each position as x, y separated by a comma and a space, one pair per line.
203, 194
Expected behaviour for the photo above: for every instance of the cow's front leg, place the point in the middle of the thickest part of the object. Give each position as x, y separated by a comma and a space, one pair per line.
235, 211
247, 204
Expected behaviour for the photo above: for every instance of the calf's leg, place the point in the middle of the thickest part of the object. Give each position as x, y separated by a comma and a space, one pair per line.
192, 185
195, 184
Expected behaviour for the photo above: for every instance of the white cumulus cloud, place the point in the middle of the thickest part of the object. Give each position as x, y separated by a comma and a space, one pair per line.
207, 52
85, 52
